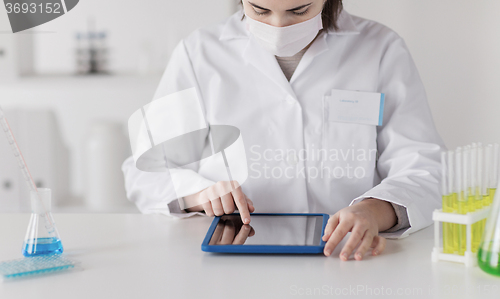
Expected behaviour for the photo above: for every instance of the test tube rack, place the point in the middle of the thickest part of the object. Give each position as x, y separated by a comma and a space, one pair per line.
469, 257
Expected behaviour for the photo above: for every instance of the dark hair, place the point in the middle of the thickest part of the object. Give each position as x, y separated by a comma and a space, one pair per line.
330, 14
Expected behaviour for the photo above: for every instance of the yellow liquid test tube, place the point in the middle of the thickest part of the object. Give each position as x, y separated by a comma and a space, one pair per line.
487, 199
494, 175
463, 184
448, 246
446, 243
474, 195
463, 208
452, 204
454, 228
479, 226
486, 173
491, 192
495, 150
491, 178
475, 227
479, 200
446, 227
482, 223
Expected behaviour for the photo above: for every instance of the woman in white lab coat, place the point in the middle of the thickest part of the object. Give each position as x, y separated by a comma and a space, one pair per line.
278, 74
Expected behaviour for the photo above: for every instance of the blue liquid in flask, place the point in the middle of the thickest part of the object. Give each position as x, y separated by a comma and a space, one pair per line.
42, 246
42, 237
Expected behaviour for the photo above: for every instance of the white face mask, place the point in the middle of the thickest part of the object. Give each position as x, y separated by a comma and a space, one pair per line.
285, 41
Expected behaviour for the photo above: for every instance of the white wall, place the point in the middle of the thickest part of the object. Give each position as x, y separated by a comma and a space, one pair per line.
78, 100
77, 103
134, 28
456, 46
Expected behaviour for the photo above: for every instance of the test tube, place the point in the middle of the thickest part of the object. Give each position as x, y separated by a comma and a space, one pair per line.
453, 207
489, 165
480, 174
494, 173
463, 183
486, 175
480, 193
465, 168
488, 155
451, 172
445, 194
444, 175
474, 197
471, 199
458, 175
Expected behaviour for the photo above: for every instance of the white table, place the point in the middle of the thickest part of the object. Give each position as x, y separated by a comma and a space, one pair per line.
154, 256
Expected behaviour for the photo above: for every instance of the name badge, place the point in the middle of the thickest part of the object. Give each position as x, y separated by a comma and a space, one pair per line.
355, 107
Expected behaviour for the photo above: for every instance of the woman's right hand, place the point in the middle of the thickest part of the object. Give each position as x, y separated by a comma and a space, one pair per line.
221, 198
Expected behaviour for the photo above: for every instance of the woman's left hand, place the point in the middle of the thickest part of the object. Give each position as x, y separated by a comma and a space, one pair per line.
364, 220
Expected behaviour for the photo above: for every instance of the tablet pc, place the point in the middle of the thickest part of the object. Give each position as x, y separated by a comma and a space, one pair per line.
267, 233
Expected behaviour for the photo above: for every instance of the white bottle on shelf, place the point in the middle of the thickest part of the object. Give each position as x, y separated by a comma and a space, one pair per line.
106, 148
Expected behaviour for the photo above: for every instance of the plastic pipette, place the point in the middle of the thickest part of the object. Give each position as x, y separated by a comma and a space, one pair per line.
24, 168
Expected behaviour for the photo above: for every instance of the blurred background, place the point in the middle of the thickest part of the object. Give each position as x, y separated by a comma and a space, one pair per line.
69, 86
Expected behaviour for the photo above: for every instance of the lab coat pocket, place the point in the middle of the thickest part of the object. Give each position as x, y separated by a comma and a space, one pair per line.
349, 149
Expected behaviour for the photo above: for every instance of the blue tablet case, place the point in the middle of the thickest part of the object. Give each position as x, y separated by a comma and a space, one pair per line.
283, 249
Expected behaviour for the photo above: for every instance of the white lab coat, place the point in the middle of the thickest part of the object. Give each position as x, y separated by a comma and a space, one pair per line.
242, 85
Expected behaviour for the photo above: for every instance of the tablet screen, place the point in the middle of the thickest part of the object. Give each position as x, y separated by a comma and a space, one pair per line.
269, 230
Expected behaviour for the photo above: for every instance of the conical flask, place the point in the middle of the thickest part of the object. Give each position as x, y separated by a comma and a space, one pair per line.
488, 255
42, 236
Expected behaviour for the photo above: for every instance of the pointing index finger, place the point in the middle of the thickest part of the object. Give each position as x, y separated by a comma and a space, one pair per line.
241, 203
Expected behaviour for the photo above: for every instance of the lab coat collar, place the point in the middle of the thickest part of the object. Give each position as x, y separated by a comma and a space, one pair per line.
345, 25
235, 27
319, 46
266, 62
